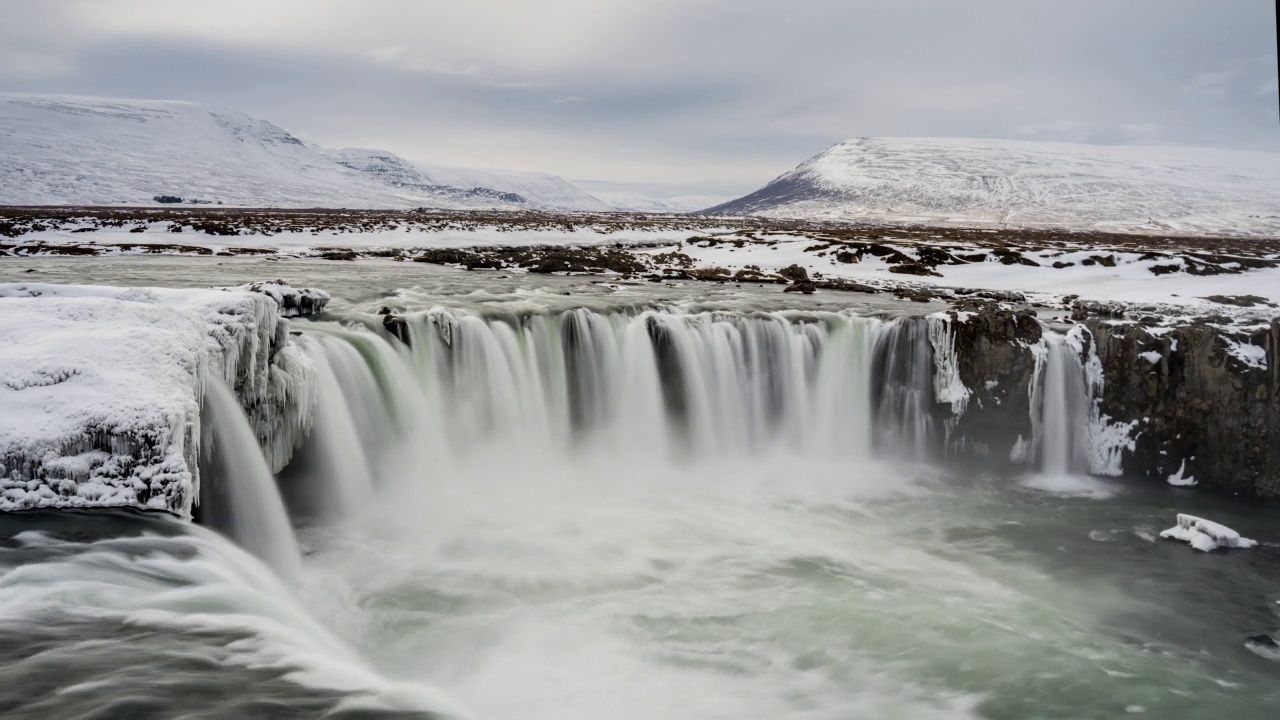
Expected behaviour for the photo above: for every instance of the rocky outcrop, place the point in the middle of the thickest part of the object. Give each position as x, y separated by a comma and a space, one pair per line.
987, 365
1173, 396
1205, 399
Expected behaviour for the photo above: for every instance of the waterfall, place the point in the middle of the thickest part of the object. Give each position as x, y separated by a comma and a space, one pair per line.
685, 386
1064, 404
904, 389
239, 496
333, 463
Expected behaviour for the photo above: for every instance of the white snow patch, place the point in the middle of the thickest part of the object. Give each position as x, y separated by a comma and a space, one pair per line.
1151, 356
1251, 355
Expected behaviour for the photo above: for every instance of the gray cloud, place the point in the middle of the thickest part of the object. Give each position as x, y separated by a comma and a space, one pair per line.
715, 94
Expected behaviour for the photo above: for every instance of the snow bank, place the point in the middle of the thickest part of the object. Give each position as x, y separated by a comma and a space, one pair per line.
100, 390
1205, 535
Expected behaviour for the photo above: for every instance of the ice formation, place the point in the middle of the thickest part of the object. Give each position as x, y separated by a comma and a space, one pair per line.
101, 390
947, 386
1205, 535
1108, 439
1180, 478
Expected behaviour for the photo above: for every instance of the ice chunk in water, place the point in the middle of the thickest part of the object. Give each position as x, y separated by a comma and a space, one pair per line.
1205, 535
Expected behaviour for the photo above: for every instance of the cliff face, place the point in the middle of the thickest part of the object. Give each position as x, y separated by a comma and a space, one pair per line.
995, 350
1202, 410
1180, 399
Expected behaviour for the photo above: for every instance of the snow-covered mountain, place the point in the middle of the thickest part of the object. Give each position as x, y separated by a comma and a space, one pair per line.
539, 189
65, 150
640, 202
969, 181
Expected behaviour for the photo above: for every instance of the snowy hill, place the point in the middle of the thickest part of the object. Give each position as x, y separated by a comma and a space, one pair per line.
639, 202
1003, 182
498, 186
63, 150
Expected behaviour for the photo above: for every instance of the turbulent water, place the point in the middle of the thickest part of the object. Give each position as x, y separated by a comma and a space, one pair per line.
633, 503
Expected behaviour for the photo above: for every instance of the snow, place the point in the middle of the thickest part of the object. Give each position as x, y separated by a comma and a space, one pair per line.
1205, 535
100, 390
1020, 183
1131, 280
539, 190
640, 202
1180, 479
1151, 356
292, 302
1251, 355
70, 150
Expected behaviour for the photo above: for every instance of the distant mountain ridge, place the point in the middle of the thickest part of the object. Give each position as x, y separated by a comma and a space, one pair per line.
1024, 183
68, 150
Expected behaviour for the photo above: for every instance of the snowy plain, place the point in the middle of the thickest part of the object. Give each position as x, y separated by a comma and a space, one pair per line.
1129, 279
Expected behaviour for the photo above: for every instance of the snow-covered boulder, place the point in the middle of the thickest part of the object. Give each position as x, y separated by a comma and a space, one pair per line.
1205, 535
101, 388
293, 302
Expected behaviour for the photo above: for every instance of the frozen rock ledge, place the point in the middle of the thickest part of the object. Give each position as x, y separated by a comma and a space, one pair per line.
1205, 535
101, 388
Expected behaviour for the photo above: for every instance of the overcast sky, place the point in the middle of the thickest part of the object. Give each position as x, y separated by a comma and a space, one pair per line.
717, 95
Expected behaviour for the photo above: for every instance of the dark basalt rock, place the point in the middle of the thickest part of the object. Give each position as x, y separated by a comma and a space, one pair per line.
397, 326
996, 363
913, 268
845, 285
1012, 296
1263, 641
915, 294
1240, 300
794, 273
1264, 646
1013, 257
1197, 404
804, 286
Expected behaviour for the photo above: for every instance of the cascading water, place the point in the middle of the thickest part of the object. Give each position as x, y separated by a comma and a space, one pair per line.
904, 389
239, 496
697, 385
1064, 411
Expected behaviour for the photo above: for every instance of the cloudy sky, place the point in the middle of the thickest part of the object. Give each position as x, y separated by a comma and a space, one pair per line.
712, 95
